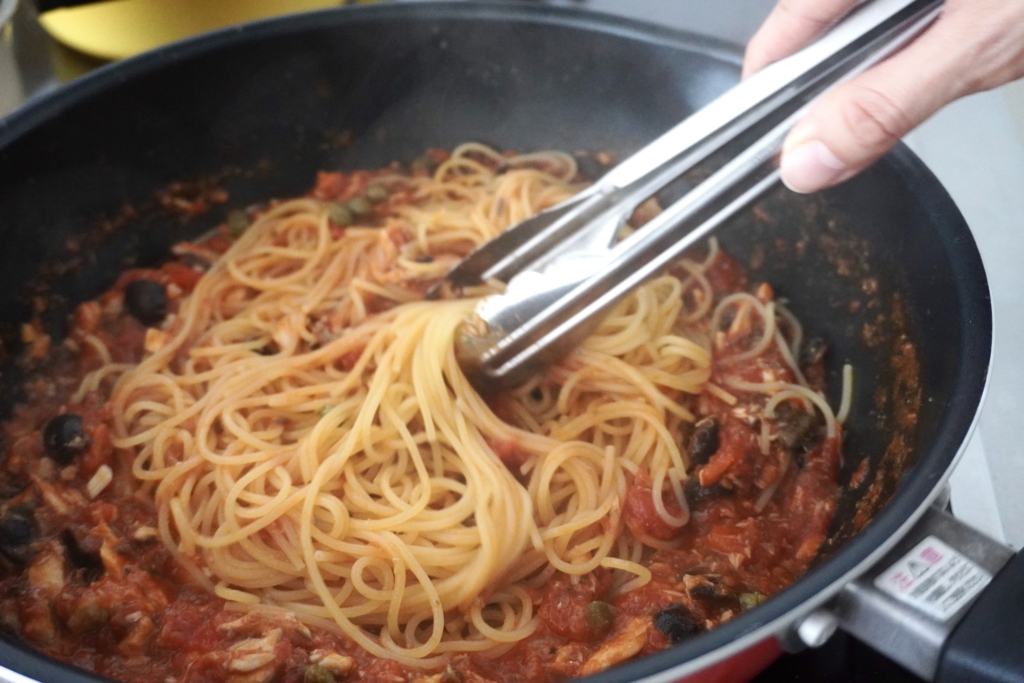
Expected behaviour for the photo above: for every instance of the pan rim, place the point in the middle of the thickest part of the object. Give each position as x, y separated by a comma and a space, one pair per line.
40, 109
918, 488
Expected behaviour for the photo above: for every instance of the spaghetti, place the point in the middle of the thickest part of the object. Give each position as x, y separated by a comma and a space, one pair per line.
348, 477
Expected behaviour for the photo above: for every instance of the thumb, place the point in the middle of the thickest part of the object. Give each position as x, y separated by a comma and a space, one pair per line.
855, 124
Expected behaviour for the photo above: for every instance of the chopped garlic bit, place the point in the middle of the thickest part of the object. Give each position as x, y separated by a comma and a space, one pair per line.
155, 339
337, 664
288, 330
104, 475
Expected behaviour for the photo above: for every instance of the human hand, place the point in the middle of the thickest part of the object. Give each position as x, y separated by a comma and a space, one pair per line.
974, 45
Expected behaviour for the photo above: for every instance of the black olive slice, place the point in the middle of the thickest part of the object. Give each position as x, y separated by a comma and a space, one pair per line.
588, 167
799, 431
695, 493
146, 301
676, 622
704, 441
64, 438
17, 531
89, 563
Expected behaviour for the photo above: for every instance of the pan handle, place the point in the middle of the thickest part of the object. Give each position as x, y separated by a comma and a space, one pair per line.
947, 603
988, 644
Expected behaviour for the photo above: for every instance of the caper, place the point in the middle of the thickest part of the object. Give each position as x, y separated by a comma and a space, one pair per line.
749, 600
339, 214
238, 221
376, 193
599, 616
314, 673
360, 206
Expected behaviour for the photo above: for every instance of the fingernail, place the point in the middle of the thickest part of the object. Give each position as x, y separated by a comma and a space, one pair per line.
811, 167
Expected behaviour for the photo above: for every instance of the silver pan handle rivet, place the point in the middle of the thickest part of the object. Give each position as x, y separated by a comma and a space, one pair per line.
817, 627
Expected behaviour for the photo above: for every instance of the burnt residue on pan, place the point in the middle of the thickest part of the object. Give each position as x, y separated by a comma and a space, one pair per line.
901, 401
814, 254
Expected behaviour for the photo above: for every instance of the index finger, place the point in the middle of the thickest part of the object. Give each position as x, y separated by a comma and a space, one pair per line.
791, 25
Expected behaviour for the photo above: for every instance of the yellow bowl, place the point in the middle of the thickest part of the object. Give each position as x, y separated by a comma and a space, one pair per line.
121, 28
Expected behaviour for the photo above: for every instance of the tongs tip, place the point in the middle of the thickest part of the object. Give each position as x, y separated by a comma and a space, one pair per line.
475, 339
443, 290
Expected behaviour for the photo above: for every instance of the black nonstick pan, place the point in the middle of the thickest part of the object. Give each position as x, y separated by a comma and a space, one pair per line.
883, 267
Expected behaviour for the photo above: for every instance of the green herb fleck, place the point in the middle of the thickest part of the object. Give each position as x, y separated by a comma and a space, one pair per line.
324, 409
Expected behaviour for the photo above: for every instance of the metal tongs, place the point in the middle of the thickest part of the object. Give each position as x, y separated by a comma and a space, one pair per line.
564, 268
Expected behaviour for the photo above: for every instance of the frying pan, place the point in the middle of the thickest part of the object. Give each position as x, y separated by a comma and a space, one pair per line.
882, 267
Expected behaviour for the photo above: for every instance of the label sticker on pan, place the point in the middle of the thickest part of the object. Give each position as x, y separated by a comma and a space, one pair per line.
934, 578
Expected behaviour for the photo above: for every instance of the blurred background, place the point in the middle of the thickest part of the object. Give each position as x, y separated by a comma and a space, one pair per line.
975, 147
